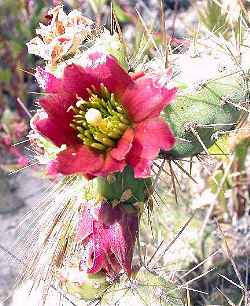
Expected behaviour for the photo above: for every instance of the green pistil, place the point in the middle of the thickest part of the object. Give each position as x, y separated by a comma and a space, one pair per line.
101, 121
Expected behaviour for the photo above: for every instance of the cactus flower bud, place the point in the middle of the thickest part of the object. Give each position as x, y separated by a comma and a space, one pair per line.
108, 235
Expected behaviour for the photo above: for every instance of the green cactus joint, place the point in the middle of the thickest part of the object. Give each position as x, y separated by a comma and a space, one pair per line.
145, 288
93, 287
123, 187
195, 118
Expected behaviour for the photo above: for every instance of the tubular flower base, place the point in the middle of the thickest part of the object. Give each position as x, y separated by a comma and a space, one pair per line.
106, 119
109, 236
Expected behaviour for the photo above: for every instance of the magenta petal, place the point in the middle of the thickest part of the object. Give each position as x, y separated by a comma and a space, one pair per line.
90, 232
76, 81
58, 108
110, 165
146, 98
123, 146
47, 81
100, 257
137, 75
127, 228
142, 167
107, 71
78, 160
150, 136
96, 258
57, 134
86, 226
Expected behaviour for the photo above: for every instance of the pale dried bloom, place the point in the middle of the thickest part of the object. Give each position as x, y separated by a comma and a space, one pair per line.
62, 37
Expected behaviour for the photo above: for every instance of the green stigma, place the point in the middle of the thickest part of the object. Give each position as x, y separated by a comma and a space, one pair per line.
101, 121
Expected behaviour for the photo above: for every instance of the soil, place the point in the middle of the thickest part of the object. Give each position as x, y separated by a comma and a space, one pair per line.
19, 192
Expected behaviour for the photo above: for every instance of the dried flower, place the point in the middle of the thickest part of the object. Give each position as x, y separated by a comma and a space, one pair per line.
62, 36
105, 118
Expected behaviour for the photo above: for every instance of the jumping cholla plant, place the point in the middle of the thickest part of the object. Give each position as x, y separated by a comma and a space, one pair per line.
99, 128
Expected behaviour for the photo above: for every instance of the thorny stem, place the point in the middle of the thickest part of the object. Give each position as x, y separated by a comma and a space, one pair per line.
164, 33
173, 181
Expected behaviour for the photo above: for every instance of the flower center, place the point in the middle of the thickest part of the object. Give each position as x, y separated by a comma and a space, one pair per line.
101, 121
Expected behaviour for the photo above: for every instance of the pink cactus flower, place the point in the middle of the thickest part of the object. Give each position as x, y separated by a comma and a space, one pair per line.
109, 236
106, 118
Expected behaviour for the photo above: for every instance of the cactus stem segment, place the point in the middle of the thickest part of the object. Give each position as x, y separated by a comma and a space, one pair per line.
196, 134
173, 178
226, 100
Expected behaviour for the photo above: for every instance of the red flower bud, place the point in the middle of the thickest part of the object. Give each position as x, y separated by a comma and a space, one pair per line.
108, 235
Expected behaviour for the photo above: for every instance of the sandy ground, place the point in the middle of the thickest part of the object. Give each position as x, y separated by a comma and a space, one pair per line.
21, 192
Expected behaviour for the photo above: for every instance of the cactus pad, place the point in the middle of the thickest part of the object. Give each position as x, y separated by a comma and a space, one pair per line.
198, 117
